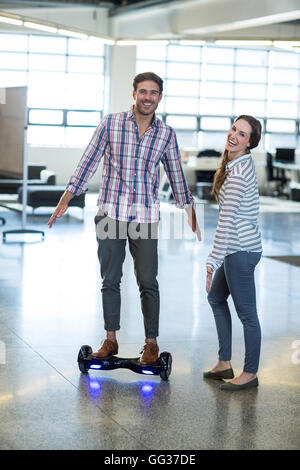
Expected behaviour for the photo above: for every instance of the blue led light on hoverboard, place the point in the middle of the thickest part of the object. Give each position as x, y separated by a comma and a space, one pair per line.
148, 372
147, 388
95, 366
94, 386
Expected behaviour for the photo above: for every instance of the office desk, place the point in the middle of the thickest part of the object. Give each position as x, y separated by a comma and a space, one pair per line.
193, 168
294, 185
294, 168
190, 169
207, 163
287, 166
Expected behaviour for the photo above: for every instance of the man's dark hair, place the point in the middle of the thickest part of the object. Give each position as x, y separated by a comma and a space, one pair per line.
142, 77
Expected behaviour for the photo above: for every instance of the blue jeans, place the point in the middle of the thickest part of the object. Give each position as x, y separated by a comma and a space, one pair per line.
236, 278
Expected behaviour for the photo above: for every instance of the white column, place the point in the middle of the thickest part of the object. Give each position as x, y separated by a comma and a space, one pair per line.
122, 73
2, 95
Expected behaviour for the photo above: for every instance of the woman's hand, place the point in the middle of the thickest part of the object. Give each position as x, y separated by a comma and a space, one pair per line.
209, 274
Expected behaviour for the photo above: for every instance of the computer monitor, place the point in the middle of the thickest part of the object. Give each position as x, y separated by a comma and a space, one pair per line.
285, 155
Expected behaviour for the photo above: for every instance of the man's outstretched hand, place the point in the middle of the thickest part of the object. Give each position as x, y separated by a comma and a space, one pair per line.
192, 221
61, 207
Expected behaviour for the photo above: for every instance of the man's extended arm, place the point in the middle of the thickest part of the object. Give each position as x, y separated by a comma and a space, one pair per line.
86, 168
89, 161
61, 207
171, 161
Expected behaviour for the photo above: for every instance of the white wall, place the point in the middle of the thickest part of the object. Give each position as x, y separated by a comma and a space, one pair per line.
63, 161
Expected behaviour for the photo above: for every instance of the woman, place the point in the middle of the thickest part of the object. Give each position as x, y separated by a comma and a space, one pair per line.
237, 250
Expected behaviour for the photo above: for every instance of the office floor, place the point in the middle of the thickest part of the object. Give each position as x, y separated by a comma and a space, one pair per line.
50, 305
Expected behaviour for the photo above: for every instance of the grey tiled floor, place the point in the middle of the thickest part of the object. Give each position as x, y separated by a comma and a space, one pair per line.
50, 306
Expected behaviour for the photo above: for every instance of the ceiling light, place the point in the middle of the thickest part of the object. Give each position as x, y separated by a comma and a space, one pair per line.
41, 27
190, 42
104, 40
7, 19
138, 42
238, 42
73, 34
287, 45
109, 42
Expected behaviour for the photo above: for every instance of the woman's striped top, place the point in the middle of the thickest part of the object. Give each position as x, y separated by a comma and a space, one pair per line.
238, 228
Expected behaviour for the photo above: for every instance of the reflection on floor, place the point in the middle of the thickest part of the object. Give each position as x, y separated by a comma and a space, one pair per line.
293, 260
50, 305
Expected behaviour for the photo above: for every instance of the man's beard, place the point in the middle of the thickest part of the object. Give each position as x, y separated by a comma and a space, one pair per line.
143, 111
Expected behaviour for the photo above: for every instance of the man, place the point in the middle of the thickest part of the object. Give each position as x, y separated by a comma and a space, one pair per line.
132, 145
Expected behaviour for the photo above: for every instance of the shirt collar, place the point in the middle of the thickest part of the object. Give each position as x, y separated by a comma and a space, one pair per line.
131, 116
236, 161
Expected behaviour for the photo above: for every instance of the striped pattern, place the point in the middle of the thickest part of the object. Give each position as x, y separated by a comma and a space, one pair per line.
239, 207
129, 188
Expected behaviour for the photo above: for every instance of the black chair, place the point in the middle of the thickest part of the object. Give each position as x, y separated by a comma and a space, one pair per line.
203, 175
48, 196
205, 172
277, 175
208, 153
34, 170
37, 175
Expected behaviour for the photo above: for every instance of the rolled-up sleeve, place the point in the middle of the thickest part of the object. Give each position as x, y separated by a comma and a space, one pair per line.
89, 161
171, 161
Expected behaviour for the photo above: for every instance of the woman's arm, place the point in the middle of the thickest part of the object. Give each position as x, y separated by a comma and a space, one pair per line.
234, 190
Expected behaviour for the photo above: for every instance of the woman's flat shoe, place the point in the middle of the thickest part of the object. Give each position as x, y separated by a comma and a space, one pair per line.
219, 375
234, 387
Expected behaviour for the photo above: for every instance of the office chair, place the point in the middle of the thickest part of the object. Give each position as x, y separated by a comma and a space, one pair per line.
277, 175
206, 166
208, 153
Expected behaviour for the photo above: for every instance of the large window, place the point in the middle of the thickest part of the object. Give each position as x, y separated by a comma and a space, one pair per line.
65, 79
206, 87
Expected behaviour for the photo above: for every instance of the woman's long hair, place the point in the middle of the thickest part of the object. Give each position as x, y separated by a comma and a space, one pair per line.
255, 136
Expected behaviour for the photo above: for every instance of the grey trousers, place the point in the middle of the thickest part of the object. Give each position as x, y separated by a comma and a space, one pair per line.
112, 236
236, 277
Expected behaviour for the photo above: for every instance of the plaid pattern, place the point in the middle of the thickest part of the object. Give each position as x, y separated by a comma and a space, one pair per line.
130, 180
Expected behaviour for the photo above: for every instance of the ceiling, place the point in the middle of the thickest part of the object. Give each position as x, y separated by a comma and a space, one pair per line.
169, 19
79, 3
